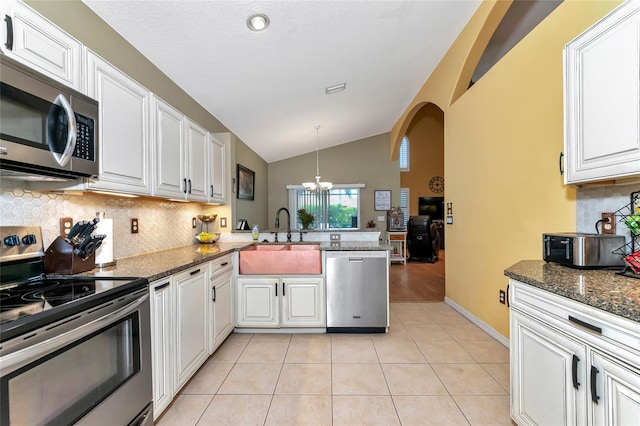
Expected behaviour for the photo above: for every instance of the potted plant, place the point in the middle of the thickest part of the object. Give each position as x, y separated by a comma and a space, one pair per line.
305, 218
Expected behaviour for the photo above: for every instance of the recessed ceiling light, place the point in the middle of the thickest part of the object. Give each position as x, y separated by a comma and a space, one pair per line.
335, 89
258, 22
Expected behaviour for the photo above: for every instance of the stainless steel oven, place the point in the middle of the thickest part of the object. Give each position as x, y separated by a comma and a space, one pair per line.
74, 350
46, 129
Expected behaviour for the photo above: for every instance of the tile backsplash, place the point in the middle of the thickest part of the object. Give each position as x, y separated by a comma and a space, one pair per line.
163, 224
592, 201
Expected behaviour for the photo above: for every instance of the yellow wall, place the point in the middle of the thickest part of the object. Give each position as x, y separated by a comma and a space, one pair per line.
426, 154
502, 141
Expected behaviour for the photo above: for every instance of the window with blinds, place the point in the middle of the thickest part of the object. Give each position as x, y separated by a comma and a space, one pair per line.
404, 204
338, 208
403, 156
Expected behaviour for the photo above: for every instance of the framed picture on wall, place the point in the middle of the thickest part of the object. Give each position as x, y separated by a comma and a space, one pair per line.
382, 199
246, 183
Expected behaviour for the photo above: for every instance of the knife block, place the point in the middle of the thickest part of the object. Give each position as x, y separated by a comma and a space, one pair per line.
60, 259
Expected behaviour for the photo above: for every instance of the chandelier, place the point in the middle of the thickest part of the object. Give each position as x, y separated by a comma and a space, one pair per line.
317, 186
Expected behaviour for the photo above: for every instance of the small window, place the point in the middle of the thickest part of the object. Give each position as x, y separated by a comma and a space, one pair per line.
404, 155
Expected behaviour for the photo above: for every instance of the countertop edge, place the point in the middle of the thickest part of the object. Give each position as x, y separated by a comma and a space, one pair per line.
600, 289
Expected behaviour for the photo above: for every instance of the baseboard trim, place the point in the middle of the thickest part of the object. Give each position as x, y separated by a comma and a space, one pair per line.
477, 321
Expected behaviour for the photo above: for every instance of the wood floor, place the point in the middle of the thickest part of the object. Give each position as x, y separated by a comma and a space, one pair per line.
417, 281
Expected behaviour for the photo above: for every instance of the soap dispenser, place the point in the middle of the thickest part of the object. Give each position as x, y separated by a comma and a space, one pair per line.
255, 234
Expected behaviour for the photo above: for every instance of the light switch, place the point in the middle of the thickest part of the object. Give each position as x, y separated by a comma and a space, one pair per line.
380, 218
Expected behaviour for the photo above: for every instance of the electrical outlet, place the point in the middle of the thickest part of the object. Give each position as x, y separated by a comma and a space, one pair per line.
193, 223
134, 225
609, 227
502, 297
65, 226
334, 237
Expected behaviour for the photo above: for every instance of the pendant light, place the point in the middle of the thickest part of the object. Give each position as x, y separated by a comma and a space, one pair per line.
317, 186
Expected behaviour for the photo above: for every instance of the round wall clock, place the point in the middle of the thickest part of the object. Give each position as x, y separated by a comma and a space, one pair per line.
436, 184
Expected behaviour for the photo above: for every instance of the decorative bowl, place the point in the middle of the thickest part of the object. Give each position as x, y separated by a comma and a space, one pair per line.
206, 238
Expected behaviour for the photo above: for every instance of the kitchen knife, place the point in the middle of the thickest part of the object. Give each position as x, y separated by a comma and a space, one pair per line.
74, 231
88, 229
86, 249
80, 250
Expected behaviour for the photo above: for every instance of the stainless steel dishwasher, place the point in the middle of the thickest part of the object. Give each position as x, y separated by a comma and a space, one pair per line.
357, 291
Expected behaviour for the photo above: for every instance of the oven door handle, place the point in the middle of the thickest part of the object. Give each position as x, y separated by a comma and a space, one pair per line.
22, 357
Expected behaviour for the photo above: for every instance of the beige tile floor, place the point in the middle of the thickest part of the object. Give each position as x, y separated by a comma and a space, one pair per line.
434, 367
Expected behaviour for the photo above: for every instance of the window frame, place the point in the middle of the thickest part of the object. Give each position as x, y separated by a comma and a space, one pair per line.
405, 142
293, 206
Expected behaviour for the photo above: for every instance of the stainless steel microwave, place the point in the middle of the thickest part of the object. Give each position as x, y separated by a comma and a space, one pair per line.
47, 131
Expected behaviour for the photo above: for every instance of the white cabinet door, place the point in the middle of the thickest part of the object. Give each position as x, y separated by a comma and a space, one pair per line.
303, 302
170, 163
602, 99
217, 172
221, 314
162, 359
125, 151
198, 163
614, 392
41, 45
192, 301
258, 303
548, 375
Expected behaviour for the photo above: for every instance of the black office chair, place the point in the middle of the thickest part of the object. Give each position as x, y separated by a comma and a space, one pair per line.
423, 241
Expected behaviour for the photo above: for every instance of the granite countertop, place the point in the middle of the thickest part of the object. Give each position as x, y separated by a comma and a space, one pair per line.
600, 289
154, 266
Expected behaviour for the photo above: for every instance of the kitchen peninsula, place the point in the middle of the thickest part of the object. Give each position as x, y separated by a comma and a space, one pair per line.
575, 345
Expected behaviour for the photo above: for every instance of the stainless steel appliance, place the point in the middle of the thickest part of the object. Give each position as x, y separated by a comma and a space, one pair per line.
582, 251
73, 350
47, 130
357, 291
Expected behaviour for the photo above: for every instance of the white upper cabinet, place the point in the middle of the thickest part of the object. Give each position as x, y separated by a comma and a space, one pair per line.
217, 172
602, 99
30, 38
168, 141
198, 164
125, 150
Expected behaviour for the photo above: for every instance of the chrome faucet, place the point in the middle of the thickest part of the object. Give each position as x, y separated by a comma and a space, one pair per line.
288, 224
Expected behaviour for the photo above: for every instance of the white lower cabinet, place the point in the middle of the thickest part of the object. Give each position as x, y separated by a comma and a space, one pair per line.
192, 303
544, 364
221, 307
616, 387
189, 320
571, 364
160, 294
273, 302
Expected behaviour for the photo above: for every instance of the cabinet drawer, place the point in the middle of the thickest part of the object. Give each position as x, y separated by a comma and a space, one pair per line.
598, 327
397, 237
221, 264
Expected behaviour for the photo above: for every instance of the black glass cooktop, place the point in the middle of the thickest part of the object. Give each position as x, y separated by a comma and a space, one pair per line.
43, 300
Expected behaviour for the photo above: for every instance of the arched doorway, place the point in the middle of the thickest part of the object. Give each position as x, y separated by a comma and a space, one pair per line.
418, 281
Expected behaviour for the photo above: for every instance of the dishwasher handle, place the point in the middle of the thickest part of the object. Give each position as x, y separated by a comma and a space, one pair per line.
356, 259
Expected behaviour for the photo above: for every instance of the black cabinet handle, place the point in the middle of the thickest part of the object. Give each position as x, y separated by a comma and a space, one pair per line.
214, 293
585, 324
9, 42
194, 272
560, 166
224, 264
211, 193
574, 371
283, 293
160, 287
189, 186
507, 298
594, 389
185, 185
276, 286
